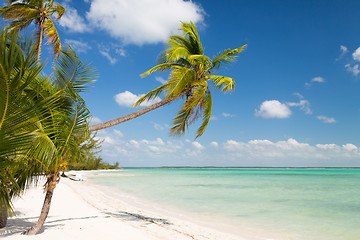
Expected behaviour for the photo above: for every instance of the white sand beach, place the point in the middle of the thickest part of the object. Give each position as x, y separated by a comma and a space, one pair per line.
79, 210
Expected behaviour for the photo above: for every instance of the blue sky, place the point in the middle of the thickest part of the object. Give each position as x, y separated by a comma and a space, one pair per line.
296, 101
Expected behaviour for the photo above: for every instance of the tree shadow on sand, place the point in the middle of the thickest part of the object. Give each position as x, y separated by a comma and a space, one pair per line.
127, 216
17, 225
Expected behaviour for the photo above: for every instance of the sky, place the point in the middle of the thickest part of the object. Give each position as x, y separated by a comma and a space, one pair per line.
296, 101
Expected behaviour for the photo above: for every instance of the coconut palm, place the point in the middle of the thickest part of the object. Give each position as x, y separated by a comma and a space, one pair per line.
59, 132
19, 117
22, 13
190, 78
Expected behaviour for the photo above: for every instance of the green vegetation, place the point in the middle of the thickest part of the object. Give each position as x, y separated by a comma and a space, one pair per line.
86, 156
190, 79
22, 13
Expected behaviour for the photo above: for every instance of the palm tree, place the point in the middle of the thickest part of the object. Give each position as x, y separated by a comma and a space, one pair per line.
60, 131
189, 79
19, 117
22, 13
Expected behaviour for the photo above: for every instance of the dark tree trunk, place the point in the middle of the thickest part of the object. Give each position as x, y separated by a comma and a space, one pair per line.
50, 186
3, 216
128, 117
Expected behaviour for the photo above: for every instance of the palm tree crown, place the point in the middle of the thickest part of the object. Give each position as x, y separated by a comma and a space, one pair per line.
22, 13
190, 77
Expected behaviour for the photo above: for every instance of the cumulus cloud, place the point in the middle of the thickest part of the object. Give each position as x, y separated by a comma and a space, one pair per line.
356, 54
350, 147
72, 21
353, 69
326, 119
78, 46
128, 99
142, 21
214, 144
273, 109
290, 149
198, 145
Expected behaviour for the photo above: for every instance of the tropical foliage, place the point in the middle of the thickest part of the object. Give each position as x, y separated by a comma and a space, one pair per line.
19, 115
85, 157
41, 118
190, 78
22, 13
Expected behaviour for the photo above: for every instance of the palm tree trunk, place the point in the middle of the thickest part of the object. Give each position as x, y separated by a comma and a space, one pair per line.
41, 37
130, 116
50, 185
3, 215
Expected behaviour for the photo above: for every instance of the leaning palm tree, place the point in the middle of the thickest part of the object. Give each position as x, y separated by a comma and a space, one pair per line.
190, 78
59, 133
22, 13
19, 117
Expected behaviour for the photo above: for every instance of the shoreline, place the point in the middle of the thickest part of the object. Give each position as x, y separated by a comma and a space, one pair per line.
80, 210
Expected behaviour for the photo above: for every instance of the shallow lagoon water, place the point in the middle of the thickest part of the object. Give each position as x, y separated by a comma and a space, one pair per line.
304, 204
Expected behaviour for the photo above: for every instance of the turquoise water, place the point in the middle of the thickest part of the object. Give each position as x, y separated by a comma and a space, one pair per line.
304, 204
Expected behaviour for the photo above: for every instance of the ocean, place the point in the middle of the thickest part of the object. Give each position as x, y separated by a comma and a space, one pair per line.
301, 204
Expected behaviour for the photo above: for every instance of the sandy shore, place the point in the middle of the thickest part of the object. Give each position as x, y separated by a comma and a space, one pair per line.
79, 210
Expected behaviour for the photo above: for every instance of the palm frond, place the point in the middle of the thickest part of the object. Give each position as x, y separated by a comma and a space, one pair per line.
207, 109
222, 83
54, 39
58, 10
71, 74
225, 57
151, 95
180, 122
183, 77
161, 67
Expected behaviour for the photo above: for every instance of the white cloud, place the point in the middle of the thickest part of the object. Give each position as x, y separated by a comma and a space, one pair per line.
354, 69
273, 109
106, 54
350, 147
160, 80
315, 80
356, 54
128, 99
72, 21
95, 120
326, 119
257, 152
214, 144
198, 145
118, 133
142, 21
227, 115
318, 79
343, 49
290, 149
78, 46
303, 105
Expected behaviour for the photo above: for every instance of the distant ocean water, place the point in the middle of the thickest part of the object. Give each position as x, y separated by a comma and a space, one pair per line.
303, 204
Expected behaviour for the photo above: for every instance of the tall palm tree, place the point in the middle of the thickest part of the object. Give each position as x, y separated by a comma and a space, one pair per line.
22, 13
189, 79
60, 130
19, 117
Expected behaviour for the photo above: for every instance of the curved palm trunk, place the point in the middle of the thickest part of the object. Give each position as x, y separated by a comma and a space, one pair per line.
3, 215
130, 116
50, 186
